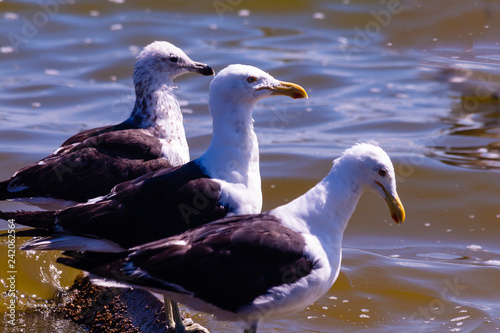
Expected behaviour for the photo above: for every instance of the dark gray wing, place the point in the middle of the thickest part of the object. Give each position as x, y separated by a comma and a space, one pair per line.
88, 169
83, 135
157, 205
227, 263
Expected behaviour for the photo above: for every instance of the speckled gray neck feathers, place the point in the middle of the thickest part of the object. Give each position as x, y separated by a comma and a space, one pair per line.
157, 110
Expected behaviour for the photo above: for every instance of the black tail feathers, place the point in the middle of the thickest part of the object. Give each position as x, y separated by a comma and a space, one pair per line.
40, 219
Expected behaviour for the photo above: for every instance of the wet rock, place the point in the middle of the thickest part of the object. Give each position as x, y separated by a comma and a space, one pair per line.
114, 310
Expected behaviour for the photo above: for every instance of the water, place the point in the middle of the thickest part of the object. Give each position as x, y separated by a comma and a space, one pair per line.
420, 78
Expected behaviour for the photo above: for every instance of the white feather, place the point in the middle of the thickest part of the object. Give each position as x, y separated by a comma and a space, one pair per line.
236, 165
321, 216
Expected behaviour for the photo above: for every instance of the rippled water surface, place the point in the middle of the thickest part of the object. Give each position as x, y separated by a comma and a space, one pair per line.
421, 78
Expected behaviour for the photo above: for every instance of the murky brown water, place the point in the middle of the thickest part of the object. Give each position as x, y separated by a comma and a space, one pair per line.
420, 78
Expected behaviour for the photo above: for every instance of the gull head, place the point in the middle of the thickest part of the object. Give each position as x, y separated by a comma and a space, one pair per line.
373, 171
243, 84
164, 61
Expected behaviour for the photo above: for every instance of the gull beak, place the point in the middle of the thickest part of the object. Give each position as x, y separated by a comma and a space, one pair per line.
395, 206
200, 68
288, 89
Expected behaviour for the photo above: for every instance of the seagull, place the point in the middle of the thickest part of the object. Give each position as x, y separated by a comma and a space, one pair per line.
91, 162
248, 268
224, 180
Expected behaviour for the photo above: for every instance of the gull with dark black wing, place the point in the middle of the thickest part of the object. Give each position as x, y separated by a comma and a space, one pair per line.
90, 163
224, 180
248, 268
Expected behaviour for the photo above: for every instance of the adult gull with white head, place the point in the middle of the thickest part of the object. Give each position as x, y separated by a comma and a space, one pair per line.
248, 268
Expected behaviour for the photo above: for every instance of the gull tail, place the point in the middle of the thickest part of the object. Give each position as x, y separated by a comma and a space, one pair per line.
42, 219
103, 265
72, 243
15, 188
4, 193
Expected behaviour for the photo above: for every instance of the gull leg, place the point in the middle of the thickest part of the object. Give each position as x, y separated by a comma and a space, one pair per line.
179, 324
175, 322
169, 314
186, 325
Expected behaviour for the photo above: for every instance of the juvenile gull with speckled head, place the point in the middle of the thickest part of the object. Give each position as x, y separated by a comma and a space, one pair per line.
91, 162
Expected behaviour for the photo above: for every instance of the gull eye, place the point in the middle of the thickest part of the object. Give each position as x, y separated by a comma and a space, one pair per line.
173, 59
382, 172
251, 79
